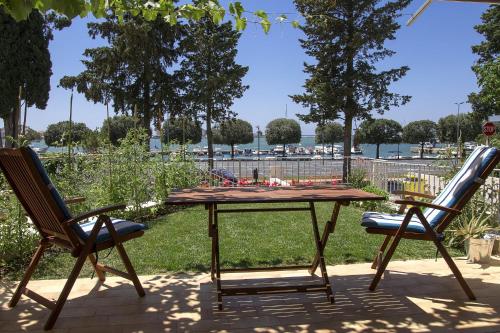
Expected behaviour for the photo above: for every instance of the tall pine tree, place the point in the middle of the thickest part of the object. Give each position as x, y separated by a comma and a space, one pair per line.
347, 38
135, 71
487, 68
212, 78
25, 62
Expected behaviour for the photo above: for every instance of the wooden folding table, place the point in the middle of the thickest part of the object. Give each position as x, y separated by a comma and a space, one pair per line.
211, 197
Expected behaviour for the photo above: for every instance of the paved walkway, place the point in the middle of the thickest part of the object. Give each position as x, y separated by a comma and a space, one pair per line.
414, 296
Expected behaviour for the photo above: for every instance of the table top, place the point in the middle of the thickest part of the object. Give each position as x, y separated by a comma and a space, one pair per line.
235, 195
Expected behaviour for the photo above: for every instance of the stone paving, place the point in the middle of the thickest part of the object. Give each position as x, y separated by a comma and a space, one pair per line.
414, 296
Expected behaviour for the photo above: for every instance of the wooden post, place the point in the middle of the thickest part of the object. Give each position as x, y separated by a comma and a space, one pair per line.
70, 137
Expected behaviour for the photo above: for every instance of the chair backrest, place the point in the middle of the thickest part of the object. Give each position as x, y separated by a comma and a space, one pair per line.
41, 200
464, 184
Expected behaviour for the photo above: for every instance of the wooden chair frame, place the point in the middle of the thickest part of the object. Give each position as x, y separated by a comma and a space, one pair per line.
431, 234
27, 183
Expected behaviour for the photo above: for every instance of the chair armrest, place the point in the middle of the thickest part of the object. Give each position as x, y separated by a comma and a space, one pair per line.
428, 205
74, 200
95, 212
414, 194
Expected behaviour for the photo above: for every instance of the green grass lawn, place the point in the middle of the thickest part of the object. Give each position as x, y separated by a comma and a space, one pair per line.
179, 242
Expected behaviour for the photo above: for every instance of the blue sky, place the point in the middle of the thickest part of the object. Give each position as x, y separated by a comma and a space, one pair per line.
437, 48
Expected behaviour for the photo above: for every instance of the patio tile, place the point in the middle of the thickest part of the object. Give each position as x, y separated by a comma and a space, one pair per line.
415, 296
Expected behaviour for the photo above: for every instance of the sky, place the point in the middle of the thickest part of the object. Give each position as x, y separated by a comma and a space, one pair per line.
437, 48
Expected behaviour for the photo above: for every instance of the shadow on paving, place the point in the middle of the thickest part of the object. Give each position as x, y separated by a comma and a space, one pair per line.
404, 302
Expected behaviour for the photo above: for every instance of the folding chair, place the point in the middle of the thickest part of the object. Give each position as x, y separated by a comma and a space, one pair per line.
430, 223
48, 211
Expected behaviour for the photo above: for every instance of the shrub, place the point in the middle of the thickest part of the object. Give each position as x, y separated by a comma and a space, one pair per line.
357, 178
375, 205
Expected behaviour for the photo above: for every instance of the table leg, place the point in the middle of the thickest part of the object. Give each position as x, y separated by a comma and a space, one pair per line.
329, 228
215, 247
211, 235
319, 249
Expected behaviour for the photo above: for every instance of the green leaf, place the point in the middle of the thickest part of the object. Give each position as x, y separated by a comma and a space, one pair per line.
266, 25
241, 24
171, 18
217, 15
237, 9
295, 24
262, 14
19, 10
98, 8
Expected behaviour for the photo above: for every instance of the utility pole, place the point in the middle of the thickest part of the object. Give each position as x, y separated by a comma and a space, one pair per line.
458, 127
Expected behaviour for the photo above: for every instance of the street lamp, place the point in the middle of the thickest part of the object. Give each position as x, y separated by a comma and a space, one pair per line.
258, 143
458, 125
400, 138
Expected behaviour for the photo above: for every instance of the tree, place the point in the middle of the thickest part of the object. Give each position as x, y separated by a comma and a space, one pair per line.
329, 134
487, 68
32, 135
25, 65
91, 142
379, 131
346, 40
212, 78
470, 128
116, 128
182, 130
420, 131
134, 71
283, 131
234, 132
57, 134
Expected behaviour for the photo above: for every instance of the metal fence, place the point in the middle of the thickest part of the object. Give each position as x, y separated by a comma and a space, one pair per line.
428, 177
387, 175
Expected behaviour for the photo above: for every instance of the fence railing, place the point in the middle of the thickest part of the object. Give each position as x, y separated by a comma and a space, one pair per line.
390, 176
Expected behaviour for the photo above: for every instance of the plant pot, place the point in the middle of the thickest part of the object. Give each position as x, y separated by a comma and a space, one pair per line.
479, 250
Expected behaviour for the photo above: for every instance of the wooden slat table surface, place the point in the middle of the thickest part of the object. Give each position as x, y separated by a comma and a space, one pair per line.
232, 195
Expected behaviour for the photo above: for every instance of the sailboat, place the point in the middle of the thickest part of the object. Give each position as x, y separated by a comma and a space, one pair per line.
356, 149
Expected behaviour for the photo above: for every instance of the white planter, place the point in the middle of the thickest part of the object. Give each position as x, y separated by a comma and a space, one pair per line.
479, 250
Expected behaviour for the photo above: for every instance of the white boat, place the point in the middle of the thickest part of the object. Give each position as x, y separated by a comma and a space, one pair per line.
40, 150
317, 157
338, 156
356, 150
278, 149
428, 145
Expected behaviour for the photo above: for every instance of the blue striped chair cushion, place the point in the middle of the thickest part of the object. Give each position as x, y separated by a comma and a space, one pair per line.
473, 167
45, 177
82, 230
122, 227
390, 221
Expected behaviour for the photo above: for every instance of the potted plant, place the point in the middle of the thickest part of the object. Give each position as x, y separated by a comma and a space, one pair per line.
471, 229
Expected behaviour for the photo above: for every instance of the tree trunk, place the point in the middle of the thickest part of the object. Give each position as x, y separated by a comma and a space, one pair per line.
232, 151
346, 168
210, 139
11, 126
422, 150
284, 149
333, 154
377, 156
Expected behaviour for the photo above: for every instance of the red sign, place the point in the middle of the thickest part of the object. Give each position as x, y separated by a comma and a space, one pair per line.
489, 128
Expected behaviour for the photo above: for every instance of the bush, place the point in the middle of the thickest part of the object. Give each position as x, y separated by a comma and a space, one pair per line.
375, 205
357, 178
